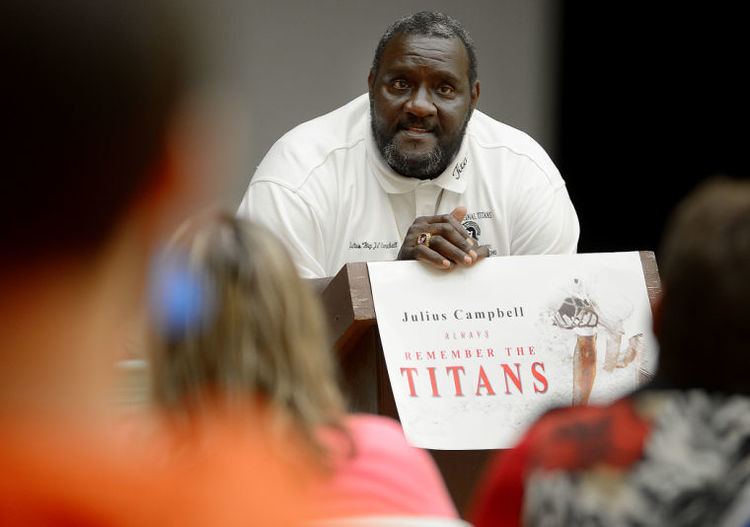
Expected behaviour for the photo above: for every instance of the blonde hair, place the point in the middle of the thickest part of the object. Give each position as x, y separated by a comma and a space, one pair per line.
258, 335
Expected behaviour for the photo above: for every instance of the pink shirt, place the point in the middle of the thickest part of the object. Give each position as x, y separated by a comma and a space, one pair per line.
385, 476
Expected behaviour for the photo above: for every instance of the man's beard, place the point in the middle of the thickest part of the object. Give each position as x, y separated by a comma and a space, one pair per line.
424, 166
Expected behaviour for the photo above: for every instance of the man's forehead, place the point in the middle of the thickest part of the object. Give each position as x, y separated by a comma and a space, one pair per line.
409, 49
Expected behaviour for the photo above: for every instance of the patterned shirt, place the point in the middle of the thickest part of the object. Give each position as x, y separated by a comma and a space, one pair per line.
657, 458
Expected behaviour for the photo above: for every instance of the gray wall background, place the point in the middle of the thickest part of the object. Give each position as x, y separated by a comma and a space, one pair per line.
292, 60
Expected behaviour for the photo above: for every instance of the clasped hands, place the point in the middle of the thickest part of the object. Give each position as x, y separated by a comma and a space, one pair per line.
442, 242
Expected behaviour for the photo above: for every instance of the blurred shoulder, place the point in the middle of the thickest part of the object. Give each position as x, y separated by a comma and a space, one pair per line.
581, 437
375, 428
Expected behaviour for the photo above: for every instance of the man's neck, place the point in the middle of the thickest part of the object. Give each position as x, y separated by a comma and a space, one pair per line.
60, 330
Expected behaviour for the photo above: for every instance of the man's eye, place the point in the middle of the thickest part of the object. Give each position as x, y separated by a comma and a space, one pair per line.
445, 89
400, 84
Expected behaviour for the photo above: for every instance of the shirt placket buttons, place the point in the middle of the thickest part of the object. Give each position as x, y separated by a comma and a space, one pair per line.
425, 196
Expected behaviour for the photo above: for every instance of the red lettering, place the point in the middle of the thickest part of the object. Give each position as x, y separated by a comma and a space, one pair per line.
531, 350
433, 382
539, 376
467, 354
443, 354
478, 353
456, 379
407, 355
409, 374
508, 350
484, 382
519, 350
490, 352
419, 355
515, 377
456, 354
430, 355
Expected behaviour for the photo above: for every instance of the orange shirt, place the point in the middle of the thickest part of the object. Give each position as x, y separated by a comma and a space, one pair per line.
50, 475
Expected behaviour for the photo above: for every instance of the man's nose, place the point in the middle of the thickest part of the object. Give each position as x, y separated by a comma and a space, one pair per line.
420, 103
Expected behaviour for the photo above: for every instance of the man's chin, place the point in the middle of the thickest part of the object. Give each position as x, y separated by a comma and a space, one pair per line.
423, 166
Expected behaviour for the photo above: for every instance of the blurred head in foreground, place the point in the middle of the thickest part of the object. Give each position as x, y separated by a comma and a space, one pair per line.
703, 319
90, 94
94, 158
256, 337
99, 166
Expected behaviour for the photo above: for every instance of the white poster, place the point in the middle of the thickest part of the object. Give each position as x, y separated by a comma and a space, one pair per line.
475, 355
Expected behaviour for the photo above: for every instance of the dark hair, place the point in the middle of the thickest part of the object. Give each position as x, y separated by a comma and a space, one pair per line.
431, 24
88, 93
705, 268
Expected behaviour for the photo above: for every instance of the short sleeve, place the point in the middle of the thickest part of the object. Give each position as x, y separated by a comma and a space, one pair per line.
288, 216
544, 220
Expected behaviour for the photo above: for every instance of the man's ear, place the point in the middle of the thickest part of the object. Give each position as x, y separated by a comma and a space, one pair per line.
474, 94
155, 204
193, 164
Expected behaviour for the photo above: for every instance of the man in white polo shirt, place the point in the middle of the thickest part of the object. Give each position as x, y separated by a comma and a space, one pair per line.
410, 170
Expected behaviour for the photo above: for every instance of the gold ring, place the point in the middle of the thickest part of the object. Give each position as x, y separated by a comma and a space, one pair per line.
424, 239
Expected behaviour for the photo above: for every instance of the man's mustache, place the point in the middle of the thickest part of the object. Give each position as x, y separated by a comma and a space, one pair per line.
419, 123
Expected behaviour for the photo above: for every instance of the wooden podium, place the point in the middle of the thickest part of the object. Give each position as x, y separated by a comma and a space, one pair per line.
347, 300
